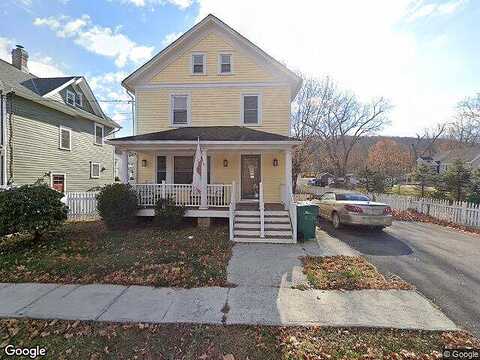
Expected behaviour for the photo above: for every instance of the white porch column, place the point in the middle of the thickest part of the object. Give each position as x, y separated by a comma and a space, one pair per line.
124, 167
203, 193
288, 173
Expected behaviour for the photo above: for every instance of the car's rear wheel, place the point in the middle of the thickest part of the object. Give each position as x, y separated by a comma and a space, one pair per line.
336, 221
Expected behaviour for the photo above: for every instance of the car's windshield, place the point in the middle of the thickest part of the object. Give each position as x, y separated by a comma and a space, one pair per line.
352, 197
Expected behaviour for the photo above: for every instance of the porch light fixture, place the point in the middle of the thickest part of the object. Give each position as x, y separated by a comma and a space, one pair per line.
275, 162
225, 163
144, 162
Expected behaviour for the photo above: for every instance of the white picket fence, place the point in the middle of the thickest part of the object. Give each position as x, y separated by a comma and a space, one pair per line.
457, 212
82, 206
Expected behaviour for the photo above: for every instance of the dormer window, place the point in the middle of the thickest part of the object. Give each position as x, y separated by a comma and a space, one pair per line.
79, 100
70, 96
198, 64
225, 63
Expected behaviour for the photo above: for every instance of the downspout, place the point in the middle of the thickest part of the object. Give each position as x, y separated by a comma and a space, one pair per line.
3, 137
132, 97
11, 95
134, 132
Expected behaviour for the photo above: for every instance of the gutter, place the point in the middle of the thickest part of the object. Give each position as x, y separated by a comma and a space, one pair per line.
194, 142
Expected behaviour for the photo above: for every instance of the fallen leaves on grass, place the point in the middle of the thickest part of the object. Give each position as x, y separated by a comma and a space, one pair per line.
413, 215
86, 340
347, 273
86, 253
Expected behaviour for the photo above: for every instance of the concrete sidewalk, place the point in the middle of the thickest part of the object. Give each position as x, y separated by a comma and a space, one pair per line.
246, 305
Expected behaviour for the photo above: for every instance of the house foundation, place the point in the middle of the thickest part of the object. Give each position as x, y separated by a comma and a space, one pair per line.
204, 222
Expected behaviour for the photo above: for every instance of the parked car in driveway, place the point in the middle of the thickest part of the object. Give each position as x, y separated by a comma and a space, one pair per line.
354, 209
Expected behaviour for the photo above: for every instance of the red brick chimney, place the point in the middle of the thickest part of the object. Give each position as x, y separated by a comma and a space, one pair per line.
20, 58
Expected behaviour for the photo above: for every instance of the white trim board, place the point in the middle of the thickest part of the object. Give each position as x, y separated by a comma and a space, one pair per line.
205, 85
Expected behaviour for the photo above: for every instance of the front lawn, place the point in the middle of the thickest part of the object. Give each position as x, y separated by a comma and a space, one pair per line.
347, 273
89, 253
87, 340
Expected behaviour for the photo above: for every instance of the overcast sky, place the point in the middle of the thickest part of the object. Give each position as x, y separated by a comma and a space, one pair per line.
420, 54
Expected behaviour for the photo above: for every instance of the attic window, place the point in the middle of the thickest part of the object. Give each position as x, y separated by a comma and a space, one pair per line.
70, 96
79, 100
225, 63
198, 64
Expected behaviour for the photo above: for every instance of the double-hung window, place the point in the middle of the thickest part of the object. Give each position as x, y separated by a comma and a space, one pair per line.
180, 110
70, 97
198, 64
99, 129
79, 100
225, 63
94, 170
65, 138
251, 109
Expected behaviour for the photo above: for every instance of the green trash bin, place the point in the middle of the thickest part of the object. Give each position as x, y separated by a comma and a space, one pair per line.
307, 214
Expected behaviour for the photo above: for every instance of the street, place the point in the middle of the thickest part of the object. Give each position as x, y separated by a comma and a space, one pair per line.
444, 264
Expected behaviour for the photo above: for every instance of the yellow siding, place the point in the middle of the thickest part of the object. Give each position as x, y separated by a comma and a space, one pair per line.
273, 177
244, 67
146, 175
214, 107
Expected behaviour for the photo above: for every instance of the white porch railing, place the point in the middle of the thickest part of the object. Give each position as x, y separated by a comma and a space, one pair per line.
218, 195
261, 206
231, 210
290, 204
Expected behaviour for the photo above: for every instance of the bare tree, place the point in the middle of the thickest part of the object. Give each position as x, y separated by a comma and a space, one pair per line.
305, 117
344, 121
465, 130
424, 144
331, 122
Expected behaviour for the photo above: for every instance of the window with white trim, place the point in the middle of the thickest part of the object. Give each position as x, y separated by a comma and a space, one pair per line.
70, 97
225, 61
79, 100
198, 64
65, 138
99, 134
180, 109
58, 182
250, 109
94, 170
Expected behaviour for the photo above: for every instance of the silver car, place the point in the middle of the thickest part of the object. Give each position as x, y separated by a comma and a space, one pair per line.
354, 209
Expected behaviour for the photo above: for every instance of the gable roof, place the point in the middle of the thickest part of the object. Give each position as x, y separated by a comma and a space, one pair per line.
36, 89
207, 133
467, 154
293, 78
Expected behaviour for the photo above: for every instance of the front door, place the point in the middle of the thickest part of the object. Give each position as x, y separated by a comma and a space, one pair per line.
251, 176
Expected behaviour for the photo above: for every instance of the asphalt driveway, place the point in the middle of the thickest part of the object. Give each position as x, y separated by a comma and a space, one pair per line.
442, 263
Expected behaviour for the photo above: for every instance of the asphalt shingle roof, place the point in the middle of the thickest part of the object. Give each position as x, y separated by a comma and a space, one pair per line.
208, 133
42, 86
466, 154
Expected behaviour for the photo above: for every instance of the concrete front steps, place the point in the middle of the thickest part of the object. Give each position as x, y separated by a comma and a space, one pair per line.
278, 228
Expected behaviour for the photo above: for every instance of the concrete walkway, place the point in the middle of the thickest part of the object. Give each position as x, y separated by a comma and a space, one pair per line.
246, 305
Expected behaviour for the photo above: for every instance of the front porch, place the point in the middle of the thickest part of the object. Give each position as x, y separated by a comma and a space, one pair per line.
235, 175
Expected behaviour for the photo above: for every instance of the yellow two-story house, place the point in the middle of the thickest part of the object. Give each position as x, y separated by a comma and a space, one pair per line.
214, 88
